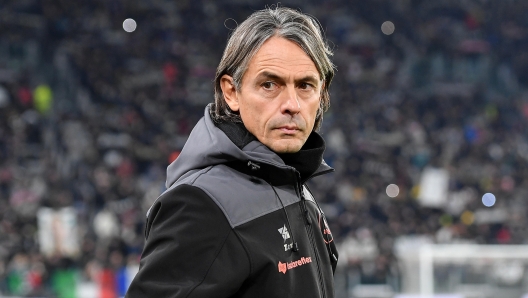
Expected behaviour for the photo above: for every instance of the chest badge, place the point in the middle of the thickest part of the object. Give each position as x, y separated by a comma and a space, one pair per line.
285, 236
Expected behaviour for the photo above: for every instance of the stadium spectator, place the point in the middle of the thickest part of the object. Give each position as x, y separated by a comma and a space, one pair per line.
446, 89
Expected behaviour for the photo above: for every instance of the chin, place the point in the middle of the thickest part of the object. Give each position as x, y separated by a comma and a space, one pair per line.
286, 147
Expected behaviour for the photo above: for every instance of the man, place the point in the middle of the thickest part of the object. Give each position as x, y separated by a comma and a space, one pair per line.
237, 219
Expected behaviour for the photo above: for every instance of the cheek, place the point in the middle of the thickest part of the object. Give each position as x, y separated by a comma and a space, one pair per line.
312, 112
253, 118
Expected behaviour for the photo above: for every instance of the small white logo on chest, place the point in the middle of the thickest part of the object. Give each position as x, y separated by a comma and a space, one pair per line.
284, 232
285, 236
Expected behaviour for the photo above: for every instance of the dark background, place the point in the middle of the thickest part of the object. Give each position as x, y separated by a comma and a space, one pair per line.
90, 117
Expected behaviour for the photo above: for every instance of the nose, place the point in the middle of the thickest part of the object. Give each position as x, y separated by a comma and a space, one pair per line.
290, 102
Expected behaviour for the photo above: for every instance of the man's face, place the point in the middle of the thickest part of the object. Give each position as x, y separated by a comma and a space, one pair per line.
279, 96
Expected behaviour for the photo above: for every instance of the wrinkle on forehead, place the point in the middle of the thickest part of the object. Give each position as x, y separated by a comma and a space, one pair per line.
273, 56
299, 65
283, 57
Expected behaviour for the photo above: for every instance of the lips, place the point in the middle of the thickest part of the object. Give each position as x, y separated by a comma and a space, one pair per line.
289, 129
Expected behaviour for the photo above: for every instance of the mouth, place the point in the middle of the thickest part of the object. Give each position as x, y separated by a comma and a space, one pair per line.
288, 129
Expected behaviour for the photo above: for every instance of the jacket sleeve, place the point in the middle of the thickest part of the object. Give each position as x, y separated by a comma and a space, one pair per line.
190, 249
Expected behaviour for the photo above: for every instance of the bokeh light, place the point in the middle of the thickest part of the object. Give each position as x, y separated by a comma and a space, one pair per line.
393, 190
467, 218
129, 25
446, 220
387, 27
488, 199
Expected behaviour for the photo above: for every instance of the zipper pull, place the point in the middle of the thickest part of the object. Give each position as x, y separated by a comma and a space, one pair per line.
295, 247
254, 166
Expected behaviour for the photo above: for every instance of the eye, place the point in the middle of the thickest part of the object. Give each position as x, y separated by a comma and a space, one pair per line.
268, 85
305, 86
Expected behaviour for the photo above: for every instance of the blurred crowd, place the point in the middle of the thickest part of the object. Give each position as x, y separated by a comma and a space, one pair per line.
90, 117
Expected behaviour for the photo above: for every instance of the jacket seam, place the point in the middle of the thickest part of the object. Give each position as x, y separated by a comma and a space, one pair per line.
211, 265
246, 250
211, 196
226, 214
244, 221
221, 206
176, 185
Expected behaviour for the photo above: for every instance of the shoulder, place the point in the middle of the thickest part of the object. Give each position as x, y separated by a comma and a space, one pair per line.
241, 197
183, 207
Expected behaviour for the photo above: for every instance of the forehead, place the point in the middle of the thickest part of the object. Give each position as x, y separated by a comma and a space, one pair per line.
283, 57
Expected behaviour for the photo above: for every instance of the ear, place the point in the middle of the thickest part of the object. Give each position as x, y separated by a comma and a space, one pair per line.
230, 93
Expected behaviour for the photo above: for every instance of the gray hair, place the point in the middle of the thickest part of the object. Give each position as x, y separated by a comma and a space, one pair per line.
249, 36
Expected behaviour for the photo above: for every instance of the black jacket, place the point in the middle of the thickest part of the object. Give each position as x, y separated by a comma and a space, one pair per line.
237, 221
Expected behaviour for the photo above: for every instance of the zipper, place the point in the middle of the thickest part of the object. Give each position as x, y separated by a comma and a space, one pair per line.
306, 216
309, 230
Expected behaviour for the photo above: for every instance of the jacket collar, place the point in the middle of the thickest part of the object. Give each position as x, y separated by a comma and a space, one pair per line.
210, 145
308, 162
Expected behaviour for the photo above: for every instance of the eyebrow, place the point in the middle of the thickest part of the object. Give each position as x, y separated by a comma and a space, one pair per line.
269, 75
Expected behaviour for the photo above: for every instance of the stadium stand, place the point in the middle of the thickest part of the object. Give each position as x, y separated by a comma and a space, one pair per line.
90, 116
